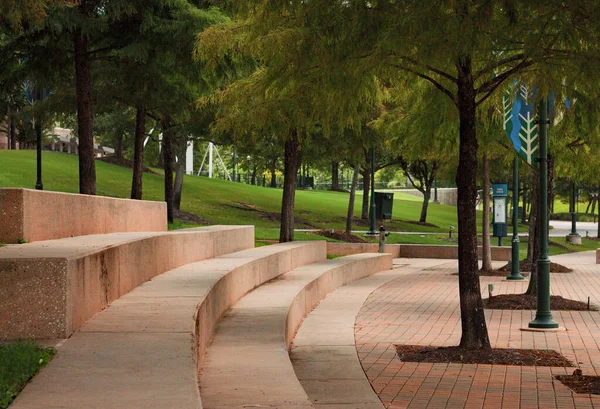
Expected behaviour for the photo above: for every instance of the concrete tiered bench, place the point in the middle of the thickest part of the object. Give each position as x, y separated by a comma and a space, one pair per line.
142, 351
49, 289
247, 365
35, 215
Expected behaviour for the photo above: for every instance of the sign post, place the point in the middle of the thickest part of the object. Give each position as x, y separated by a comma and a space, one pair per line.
500, 194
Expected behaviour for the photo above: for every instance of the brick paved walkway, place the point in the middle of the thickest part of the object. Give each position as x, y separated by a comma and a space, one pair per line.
423, 309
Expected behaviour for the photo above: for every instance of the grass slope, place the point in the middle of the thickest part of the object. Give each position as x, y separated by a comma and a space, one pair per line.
19, 362
218, 201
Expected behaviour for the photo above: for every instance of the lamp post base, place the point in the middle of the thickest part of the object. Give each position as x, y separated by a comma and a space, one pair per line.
574, 239
543, 322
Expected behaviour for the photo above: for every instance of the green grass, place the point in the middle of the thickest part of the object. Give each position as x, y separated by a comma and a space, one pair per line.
19, 362
218, 201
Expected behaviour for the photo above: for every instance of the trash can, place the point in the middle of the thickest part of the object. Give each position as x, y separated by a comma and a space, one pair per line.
383, 205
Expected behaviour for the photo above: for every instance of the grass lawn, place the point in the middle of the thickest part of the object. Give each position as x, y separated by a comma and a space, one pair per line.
218, 201
19, 361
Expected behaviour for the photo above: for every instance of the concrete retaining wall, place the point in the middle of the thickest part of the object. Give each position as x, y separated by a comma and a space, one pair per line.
49, 289
35, 215
414, 250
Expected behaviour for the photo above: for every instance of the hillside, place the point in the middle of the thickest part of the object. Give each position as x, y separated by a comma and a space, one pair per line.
218, 201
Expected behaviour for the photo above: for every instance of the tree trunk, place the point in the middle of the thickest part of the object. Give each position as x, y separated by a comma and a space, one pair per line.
253, 179
167, 150
335, 178
366, 191
13, 134
486, 253
179, 173
273, 171
119, 144
425, 205
161, 158
9, 121
474, 328
524, 214
83, 90
352, 199
292, 160
138, 153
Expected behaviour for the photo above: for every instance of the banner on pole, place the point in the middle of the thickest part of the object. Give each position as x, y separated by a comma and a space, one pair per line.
520, 123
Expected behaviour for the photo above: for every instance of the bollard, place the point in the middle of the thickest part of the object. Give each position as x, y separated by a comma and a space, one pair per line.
382, 237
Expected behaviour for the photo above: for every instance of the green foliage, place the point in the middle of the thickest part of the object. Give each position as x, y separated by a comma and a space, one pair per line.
22, 241
19, 362
17, 13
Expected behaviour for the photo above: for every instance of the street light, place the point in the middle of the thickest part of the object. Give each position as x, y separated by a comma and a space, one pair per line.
543, 316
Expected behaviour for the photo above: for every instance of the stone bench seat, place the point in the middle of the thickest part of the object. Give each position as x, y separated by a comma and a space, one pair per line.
53, 287
247, 363
35, 215
144, 350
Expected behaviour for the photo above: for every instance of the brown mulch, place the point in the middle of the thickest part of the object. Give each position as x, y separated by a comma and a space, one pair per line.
529, 302
495, 356
340, 235
420, 223
580, 383
525, 265
126, 163
271, 216
189, 217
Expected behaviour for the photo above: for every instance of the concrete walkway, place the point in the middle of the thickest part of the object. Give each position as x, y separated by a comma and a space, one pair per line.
324, 356
423, 309
576, 259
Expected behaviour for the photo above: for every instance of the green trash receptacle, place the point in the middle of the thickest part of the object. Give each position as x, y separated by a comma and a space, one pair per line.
383, 205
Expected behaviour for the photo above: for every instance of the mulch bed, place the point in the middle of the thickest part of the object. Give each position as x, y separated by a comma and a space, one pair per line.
189, 217
270, 216
529, 302
340, 235
525, 265
126, 163
495, 356
579, 383
420, 223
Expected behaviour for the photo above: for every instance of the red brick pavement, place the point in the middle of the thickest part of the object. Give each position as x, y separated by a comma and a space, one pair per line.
423, 309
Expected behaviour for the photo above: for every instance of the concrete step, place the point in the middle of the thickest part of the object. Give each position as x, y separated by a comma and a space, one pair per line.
324, 353
144, 350
49, 289
247, 364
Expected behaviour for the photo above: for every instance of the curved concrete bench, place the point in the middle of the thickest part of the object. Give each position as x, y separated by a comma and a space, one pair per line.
35, 215
142, 351
247, 364
49, 289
